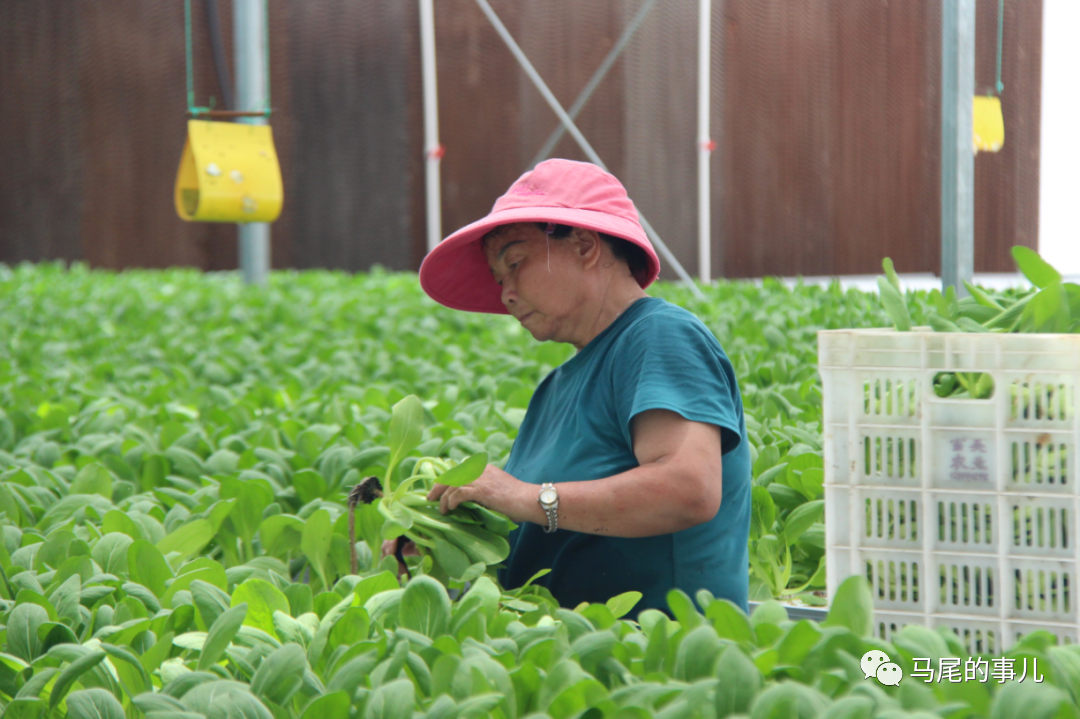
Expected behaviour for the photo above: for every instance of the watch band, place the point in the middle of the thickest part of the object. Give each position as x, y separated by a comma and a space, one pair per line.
551, 509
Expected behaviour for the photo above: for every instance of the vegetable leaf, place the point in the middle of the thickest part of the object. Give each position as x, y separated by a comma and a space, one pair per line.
1036, 269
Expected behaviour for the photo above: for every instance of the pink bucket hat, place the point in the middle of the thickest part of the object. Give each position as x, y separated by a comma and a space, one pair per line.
565, 192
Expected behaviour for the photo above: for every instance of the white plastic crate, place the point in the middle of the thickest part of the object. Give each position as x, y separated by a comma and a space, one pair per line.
960, 513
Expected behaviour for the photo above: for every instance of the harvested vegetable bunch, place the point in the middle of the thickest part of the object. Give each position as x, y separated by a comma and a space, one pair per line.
1052, 305
463, 543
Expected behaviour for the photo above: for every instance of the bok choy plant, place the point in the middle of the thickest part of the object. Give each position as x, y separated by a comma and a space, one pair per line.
463, 543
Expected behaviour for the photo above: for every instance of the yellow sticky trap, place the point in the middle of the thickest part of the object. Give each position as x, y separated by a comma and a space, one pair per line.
989, 124
228, 173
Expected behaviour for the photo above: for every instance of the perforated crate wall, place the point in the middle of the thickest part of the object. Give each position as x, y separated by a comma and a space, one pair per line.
959, 512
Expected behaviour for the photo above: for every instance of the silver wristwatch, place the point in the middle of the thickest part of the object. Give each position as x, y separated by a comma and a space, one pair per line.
549, 502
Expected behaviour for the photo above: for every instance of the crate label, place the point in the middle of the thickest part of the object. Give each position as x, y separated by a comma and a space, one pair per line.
964, 457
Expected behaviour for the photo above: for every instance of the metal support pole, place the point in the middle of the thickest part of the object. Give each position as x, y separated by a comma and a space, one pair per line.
553, 103
705, 143
252, 92
594, 81
957, 144
433, 151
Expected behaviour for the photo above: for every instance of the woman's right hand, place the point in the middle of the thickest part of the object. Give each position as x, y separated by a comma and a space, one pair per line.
408, 549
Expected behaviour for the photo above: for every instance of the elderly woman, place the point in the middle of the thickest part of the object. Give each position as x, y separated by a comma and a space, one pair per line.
631, 470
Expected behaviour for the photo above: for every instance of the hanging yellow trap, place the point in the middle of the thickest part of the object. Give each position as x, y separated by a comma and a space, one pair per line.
987, 120
988, 124
228, 173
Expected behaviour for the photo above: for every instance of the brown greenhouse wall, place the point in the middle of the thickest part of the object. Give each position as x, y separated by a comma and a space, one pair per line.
826, 114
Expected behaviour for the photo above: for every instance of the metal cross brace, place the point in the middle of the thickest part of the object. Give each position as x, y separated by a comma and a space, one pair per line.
568, 123
594, 81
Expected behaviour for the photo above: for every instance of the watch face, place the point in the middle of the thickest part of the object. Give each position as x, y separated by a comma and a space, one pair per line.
548, 496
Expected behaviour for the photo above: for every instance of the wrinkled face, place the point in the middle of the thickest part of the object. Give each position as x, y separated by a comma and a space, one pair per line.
539, 279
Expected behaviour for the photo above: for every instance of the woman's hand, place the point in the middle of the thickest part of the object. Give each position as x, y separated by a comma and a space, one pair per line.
677, 484
496, 490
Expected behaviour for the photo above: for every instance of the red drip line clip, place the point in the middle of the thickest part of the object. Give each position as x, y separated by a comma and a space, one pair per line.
437, 153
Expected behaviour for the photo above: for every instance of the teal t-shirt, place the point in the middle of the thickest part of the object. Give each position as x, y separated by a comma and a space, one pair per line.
655, 355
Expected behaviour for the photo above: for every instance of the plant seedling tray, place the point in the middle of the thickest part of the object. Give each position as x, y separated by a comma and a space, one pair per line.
817, 614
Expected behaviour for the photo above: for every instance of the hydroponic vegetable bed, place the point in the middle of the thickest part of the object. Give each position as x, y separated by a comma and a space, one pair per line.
175, 456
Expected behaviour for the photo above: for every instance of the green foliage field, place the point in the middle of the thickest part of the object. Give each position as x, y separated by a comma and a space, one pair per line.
175, 455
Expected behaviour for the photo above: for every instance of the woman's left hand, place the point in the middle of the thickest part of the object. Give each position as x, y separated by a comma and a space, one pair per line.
494, 489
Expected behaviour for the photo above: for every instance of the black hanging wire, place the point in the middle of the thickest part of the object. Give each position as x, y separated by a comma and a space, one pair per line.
1001, 26
217, 47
